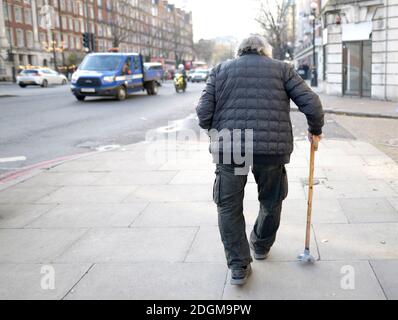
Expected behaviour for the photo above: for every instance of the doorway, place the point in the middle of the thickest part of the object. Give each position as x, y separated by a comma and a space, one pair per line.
357, 68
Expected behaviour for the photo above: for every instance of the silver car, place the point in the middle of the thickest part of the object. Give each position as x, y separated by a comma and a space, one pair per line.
200, 75
40, 77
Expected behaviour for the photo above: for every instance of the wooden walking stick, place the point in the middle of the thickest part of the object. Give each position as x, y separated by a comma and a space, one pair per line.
306, 256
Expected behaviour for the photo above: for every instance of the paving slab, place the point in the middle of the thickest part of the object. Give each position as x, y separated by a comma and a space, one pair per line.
35, 245
358, 189
290, 243
363, 149
335, 144
324, 211
357, 241
195, 177
19, 195
178, 214
298, 162
387, 273
89, 216
328, 189
347, 173
60, 179
369, 210
89, 194
176, 281
378, 160
393, 183
80, 165
394, 202
187, 164
19, 215
385, 172
326, 160
131, 245
23, 281
172, 193
136, 178
302, 174
296, 191
128, 165
296, 281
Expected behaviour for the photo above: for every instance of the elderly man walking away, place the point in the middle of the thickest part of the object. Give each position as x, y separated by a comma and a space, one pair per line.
253, 93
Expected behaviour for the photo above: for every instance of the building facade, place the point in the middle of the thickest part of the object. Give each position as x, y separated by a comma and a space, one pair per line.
50, 32
357, 48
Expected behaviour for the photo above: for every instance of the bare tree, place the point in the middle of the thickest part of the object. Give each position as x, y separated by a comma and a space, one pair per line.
204, 50
274, 20
154, 36
119, 24
179, 36
178, 46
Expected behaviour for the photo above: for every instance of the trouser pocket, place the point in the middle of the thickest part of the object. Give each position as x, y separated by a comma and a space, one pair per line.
284, 184
217, 188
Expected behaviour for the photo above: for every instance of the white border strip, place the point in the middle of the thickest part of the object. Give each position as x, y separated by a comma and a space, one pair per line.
14, 159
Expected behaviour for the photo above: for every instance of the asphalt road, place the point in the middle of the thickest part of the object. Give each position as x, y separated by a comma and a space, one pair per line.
44, 124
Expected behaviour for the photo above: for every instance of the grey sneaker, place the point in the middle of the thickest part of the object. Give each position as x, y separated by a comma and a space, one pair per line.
240, 276
259, 255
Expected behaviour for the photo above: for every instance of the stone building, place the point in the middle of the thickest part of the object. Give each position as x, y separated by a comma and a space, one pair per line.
31, 30
357, 48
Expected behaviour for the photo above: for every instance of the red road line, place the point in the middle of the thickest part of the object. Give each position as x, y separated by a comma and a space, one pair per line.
24, 171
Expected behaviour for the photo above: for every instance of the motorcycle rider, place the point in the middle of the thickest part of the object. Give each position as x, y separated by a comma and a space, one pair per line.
183, 72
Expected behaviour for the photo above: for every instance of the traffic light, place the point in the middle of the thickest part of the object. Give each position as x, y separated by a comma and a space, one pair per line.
86, 41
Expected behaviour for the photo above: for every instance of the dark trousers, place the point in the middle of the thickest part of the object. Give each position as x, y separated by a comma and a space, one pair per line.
228, 194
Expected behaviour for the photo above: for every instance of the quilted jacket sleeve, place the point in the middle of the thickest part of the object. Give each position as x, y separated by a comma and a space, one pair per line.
306, 100
207, 103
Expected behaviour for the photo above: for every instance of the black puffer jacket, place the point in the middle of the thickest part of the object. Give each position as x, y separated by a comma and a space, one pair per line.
254, 92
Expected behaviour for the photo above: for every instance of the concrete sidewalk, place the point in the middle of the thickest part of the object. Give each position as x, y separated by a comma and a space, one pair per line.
360, 107
117, 226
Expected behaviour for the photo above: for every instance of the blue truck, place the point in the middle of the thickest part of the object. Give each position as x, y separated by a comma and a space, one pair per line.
115, 75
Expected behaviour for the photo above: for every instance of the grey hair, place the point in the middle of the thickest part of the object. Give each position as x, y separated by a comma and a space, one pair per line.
255, 43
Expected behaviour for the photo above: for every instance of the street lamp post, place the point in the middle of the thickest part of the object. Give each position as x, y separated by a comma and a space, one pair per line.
314, 78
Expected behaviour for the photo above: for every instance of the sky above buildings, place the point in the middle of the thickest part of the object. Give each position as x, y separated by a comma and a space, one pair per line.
219, 18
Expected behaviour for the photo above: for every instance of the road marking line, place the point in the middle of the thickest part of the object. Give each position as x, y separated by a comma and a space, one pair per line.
13, 159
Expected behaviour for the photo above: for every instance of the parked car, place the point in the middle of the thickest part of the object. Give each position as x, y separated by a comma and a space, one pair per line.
156, 67
40, 77
115, 75
190, 74
200, 76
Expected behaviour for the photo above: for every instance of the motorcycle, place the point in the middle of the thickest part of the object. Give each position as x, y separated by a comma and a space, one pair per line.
180, 83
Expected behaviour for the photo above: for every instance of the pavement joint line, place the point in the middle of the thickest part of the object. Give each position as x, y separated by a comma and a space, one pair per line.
140, 214
225, 284
40, 216
378, 280
78, 281
191, 245
86, 231
316, 242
